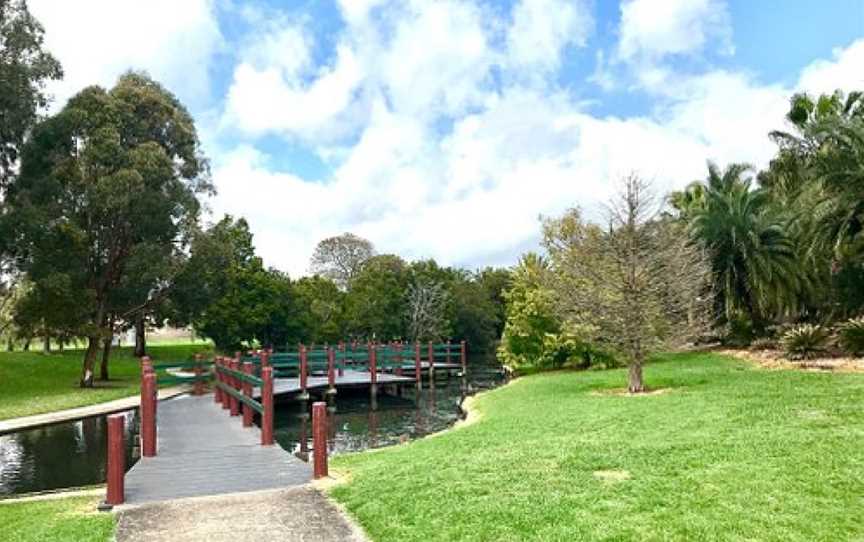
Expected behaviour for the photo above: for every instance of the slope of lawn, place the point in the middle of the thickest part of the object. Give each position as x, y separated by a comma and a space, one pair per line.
731, 452
34, 383
70, 519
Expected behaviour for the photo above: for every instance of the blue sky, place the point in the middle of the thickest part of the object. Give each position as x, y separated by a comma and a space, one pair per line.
445, 128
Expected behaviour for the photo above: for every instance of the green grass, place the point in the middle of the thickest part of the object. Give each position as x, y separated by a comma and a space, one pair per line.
34, 383
71, 519
731, 452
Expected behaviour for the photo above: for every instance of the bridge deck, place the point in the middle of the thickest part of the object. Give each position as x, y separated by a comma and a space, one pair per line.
350, 378
203, 451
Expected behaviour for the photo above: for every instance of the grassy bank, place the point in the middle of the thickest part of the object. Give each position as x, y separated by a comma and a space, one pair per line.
34, 383
730, 452
71, 519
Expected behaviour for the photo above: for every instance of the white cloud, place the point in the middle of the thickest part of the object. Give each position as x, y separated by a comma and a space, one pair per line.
542, 28
652, 29
443, 123
98, 40
845, 71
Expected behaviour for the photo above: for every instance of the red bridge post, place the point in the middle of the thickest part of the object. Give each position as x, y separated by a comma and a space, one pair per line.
116, 468
148, 415
418, 369
342, 359
199, 375
373, 368
226, 397
233, 382
331, 371
319, 438
217, 393
304, 366
447, 350
464, 357
267, 404
247, 391
430, 353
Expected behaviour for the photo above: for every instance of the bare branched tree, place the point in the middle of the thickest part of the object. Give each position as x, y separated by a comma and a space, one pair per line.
426, 303
340, 258
639, 281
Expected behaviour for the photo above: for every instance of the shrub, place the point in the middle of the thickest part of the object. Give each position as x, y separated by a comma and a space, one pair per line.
805, 341
852, 336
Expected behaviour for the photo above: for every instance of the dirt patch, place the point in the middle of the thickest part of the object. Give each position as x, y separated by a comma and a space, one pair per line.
612, 476
624, 392
773, 359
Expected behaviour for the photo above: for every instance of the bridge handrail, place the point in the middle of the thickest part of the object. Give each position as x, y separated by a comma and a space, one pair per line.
255, 405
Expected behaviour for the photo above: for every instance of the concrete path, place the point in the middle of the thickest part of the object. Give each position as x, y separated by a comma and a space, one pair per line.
60, 416
202, 450
299, 514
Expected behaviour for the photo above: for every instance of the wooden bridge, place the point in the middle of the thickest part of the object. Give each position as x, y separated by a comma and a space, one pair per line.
199, 446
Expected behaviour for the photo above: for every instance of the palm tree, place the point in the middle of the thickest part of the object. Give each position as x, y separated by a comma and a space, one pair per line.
753, 259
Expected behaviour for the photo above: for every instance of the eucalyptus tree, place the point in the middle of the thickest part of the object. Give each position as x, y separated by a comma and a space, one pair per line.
25, 67
112, 177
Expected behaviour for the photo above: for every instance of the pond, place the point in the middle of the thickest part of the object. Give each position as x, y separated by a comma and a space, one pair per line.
73, 454
354, 425
64, 455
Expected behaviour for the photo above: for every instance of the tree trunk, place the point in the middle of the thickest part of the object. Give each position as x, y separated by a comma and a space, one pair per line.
140, 339
10, 346
93, 344
46, 345
106, 353
635, 378
27, 345
61, 344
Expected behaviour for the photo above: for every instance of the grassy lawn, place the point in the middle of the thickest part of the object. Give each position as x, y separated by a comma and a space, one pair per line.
731, 452
71, 519
33, 383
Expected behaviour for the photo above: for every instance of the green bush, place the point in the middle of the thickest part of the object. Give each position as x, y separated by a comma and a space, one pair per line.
805, 341
852, 336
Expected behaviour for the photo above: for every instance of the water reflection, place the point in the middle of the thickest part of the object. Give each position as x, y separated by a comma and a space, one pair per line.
359, 420
58, 456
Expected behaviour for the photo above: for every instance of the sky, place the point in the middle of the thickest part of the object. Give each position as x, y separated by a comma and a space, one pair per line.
445, 129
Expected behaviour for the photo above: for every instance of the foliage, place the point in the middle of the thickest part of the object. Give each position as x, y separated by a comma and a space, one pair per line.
530, 317
375, 303
322, 309
107, 186
805, 341
340, 258
540, 461
640, 282
752, 257
852, 336
227, 294
25, 67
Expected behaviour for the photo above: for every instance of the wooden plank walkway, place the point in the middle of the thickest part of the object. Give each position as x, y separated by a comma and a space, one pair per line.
350, 378
204, 451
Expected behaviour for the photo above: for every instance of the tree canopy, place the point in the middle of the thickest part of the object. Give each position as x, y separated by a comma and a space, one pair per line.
107, 195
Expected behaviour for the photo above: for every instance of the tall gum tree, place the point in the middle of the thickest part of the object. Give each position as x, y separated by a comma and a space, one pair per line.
113, 176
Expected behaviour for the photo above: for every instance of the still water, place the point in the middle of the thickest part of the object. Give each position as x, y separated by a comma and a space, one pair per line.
58, 456
356, 424
73, 454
